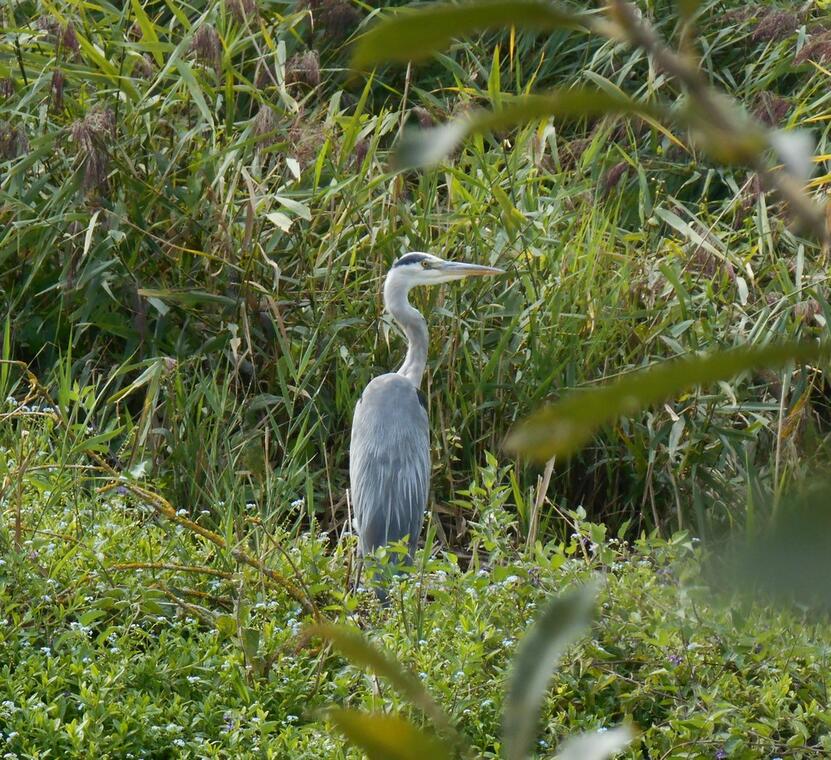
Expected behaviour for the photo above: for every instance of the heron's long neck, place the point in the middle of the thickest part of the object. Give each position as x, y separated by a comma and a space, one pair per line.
414, 327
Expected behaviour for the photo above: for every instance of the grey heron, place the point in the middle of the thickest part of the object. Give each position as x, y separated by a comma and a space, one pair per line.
389, 453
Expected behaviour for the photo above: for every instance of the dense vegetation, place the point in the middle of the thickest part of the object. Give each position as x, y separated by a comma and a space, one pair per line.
128, 636
196, 210
211, 187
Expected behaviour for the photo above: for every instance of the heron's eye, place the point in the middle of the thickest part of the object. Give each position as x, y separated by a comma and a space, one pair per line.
425, 264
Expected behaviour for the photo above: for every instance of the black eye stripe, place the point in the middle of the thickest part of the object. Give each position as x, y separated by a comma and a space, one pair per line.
410, 258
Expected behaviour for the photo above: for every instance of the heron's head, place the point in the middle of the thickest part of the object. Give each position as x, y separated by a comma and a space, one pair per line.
418, 268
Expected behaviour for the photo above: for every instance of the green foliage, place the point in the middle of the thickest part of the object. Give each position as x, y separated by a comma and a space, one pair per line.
245, 242
127, 634
391, 738
385, 737
196, 207
411, 35
560, 622
427, 147
788, 557
563, 428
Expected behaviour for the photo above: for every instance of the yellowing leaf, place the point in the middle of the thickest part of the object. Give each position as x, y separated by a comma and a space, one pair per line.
360, 652
564, 427
427, 147
386, 737
413, 35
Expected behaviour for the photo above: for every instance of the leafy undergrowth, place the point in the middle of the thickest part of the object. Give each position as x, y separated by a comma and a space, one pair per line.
126, 635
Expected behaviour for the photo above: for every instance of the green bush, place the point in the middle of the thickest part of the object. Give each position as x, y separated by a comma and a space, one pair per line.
125, 633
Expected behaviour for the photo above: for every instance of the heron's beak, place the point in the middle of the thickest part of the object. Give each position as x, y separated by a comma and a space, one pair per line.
457, 270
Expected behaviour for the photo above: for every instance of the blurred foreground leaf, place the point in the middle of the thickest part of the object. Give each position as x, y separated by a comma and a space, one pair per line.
563, 428
560, 623
596, 746
790, 560
386, 737
423, 147
413, 35
352, 645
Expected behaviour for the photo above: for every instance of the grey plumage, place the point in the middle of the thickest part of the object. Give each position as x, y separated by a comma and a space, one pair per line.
389, 466
389, 454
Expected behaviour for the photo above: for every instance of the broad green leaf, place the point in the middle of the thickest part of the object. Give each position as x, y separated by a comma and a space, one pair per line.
97, 442
495, 81
187, 297
279, 219
790, 560
427, 147
596, 746
226, 625
561, 622
94, 54
386, 737
301, 209
564, 427
250, 639
352, 645
412, 35
148, 31
195, 90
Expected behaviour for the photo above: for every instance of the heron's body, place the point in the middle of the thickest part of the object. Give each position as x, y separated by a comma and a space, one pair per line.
389, 465
389, 454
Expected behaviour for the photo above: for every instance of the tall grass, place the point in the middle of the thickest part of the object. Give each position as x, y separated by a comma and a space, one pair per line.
177, 183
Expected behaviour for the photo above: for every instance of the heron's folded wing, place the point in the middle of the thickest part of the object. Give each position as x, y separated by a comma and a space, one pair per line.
389, 465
